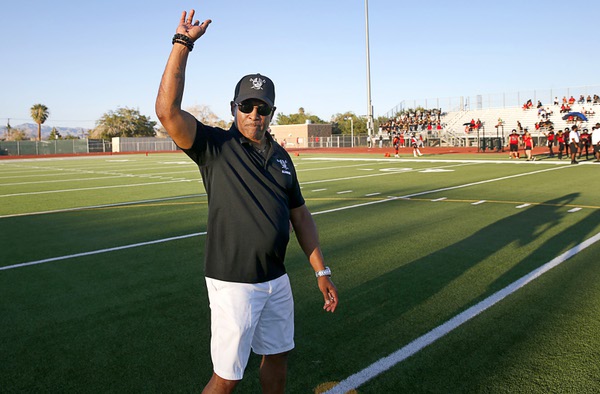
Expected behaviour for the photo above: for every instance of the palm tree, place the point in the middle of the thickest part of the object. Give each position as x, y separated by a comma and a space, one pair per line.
39, 114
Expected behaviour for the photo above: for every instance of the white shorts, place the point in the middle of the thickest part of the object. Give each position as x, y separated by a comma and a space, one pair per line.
244, 316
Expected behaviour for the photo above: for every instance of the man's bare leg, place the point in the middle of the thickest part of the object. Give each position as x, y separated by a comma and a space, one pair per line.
218, 385
273, 373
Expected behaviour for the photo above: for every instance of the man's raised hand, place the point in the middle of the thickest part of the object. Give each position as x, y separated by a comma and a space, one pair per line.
190, 27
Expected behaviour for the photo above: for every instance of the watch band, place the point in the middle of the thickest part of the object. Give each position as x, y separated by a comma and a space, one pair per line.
325, 272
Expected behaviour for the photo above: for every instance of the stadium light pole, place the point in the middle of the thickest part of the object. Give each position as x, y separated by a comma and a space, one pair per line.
369, 105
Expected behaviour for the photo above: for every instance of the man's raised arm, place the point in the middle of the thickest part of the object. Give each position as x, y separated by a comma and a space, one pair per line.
180, 125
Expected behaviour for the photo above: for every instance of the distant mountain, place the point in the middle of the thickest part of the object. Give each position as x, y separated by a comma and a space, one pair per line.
32, 128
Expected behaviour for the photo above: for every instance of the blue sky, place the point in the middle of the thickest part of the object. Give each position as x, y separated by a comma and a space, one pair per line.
85, 58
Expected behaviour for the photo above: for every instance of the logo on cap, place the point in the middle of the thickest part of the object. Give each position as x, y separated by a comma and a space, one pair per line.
257, 83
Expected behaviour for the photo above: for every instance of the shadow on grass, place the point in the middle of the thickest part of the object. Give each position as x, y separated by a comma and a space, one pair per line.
379, 316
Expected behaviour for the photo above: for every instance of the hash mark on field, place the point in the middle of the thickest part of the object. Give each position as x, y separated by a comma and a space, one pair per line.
574, 210
439, 199
478, 202
319, 190
523, 206
345, 191
372, 194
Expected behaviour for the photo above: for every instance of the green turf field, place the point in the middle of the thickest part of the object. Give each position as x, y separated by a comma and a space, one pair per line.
101, 286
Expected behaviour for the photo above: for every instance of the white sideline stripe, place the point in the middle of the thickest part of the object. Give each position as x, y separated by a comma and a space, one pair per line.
354, 381
71, 256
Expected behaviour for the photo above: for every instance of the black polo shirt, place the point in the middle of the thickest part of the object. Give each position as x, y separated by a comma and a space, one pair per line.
249, 202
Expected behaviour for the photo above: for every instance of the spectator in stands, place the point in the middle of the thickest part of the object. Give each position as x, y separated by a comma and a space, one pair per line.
560, 139
542, 113
564, 100
596, 99
555, 100
589, 100
539, 104
584, 143
596, 141
550, 139
581, 99
519, 127
571, 100
513, 143
573, 144
478, 124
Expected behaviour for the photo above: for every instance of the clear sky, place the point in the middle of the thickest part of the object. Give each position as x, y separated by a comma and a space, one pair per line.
85, 58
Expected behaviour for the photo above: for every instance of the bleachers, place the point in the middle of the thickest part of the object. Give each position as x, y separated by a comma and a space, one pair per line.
454, 121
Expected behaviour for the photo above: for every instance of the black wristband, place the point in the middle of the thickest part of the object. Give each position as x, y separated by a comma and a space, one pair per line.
183, 40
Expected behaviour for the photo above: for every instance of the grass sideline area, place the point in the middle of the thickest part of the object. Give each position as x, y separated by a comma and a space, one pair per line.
102, 290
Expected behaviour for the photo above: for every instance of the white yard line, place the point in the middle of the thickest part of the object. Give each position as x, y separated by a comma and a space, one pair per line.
93, 252
354, 381
119, 204
95, 188
315, 213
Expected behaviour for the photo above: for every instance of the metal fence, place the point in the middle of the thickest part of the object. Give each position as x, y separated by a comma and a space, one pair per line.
53, 147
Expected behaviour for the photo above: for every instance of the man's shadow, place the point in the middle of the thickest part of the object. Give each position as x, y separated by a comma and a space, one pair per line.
386, 305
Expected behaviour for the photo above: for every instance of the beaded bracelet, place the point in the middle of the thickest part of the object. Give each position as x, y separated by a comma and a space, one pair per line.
183, 40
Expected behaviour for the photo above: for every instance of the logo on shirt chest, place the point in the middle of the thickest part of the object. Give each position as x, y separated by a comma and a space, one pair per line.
285, 169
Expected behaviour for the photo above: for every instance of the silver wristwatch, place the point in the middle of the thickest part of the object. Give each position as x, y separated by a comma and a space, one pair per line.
325, 272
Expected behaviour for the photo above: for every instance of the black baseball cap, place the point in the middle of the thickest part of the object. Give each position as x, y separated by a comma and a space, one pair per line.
255, 86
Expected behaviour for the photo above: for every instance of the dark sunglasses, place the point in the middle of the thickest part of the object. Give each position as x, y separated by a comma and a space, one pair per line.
263, 109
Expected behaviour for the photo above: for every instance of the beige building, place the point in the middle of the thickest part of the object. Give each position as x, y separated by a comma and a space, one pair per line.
301, 135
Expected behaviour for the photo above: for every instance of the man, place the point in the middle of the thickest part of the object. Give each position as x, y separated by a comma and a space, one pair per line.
513, 143
550, 137
596, 141
573, 143
415, 145
253, 196
584, 143
396, 143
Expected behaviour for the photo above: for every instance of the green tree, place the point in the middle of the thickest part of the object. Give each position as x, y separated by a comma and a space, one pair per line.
345, 126
39, 114
55, 134
124, 122
299, 118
